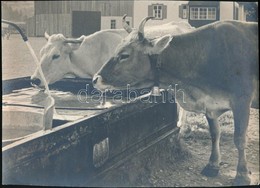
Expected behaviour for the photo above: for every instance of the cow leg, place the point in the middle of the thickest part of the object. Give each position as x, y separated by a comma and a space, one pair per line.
241, 119
212, 167
182, 116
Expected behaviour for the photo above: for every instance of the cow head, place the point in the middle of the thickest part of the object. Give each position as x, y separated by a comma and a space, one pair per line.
54, 59
130, 63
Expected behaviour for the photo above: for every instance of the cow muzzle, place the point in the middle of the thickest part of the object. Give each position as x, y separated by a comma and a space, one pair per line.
97, 82
97, 78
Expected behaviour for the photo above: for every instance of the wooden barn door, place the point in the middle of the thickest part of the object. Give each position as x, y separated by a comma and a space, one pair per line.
85, 22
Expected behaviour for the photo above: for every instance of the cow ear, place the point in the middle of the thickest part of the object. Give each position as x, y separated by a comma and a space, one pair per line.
46, 35
160, 44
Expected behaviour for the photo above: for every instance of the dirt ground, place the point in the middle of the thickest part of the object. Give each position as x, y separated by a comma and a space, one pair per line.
178, 164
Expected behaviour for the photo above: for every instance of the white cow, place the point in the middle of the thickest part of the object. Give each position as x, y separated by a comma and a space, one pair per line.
81, 57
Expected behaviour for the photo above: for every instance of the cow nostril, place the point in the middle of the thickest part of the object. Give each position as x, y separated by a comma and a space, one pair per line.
36, 81
95, 79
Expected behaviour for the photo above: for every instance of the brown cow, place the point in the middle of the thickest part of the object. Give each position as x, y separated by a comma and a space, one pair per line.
216, 65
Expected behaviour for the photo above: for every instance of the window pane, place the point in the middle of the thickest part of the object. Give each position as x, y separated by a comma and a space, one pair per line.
113, 24
211, 13
203, 13
157, 11
194, 13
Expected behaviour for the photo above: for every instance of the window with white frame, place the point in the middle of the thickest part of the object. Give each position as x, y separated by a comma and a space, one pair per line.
211, 13
203, 13
194, 13
113, 24
157, 11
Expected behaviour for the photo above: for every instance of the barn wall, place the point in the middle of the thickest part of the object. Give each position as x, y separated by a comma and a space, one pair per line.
56, 16
30, 27
53, 23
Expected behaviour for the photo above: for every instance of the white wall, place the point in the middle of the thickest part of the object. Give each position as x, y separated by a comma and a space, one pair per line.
106, 22
226, 11
141, 11
242, 14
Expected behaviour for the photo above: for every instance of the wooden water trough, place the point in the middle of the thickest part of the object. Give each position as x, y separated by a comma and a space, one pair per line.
77, 150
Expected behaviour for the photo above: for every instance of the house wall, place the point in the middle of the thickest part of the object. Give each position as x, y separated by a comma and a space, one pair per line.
140, 11
226, 10
242, 14
106, 22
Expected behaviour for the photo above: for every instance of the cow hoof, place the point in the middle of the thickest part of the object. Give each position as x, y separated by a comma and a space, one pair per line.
241, 180
210, 171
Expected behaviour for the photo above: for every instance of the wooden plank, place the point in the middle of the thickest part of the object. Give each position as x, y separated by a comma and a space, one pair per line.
45, 21
63, 22
51, 23
59, 7
56, 23
67, 19
30, 26
36, 24
47, 18
60, 25
114, 8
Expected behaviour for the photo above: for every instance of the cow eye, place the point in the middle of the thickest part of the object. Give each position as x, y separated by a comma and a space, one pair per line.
55, 56
124, 56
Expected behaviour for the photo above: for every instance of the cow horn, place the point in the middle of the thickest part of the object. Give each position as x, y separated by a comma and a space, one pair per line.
46, 35
75, 41
125, 25
141, 27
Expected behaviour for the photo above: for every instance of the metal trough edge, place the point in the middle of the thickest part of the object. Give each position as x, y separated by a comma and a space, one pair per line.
133, 151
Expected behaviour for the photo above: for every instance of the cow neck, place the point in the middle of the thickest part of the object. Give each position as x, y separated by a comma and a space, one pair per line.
158, 71
155, 61
75, 67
